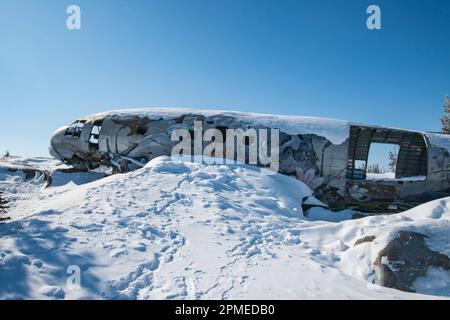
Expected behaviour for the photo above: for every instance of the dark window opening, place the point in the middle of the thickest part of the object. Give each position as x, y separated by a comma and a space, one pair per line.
95, 134
142, 131
386, 154
76, 128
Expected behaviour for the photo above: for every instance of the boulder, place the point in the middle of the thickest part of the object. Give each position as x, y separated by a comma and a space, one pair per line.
405, 259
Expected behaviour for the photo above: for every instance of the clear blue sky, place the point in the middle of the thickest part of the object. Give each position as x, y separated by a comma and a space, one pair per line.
298, 57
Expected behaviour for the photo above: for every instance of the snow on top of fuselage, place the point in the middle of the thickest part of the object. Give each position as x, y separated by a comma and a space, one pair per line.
337, 131
439, 139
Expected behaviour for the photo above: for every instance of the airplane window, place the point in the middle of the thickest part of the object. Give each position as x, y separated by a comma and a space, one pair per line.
95, 134
142, 131
71, 129
75, 128
360, 164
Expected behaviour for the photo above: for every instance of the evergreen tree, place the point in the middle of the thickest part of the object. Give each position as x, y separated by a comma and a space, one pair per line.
392, 161
3, 207
445, 119
375, 168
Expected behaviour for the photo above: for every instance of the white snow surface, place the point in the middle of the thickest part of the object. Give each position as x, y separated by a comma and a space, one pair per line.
391, 176
180, 230
442, 140
337, 131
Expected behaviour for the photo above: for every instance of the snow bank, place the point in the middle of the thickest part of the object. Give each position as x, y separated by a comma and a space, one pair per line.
431, 219
179, 230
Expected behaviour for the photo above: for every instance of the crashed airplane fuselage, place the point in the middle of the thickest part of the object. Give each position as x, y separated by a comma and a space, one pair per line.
329, 155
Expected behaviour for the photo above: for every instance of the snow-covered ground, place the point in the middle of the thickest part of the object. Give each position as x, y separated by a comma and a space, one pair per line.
179, 230
391, 176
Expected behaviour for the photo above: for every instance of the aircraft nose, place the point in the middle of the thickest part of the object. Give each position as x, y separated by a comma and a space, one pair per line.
57, 143
58, 136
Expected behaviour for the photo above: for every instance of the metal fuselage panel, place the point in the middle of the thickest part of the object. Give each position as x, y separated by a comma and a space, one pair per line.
326, 162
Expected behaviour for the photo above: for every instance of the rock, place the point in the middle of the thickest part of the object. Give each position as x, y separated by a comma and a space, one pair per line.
33, 173
405, 259
53, 292
365, 239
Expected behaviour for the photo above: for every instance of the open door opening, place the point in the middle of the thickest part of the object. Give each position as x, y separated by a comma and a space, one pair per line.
382, 161
386, 154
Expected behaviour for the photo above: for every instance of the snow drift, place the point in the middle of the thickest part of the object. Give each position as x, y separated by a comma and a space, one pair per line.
180, 230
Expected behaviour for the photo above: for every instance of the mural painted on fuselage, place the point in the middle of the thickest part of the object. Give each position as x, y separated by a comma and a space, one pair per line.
313, 150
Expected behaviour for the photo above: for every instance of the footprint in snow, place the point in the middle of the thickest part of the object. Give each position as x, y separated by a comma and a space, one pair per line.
37, 263
141, 247
314, 252
118, 253
49, 213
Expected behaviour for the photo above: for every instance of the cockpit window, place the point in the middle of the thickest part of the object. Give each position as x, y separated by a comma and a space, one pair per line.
75, 128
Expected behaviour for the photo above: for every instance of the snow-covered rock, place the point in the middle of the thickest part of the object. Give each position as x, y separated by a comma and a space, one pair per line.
180, 230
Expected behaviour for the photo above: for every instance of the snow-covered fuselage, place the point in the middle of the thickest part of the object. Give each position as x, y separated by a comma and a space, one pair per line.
326, 154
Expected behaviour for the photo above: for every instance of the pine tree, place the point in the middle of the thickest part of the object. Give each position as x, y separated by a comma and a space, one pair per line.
445, 119
3, 207
375, 168
392, 161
